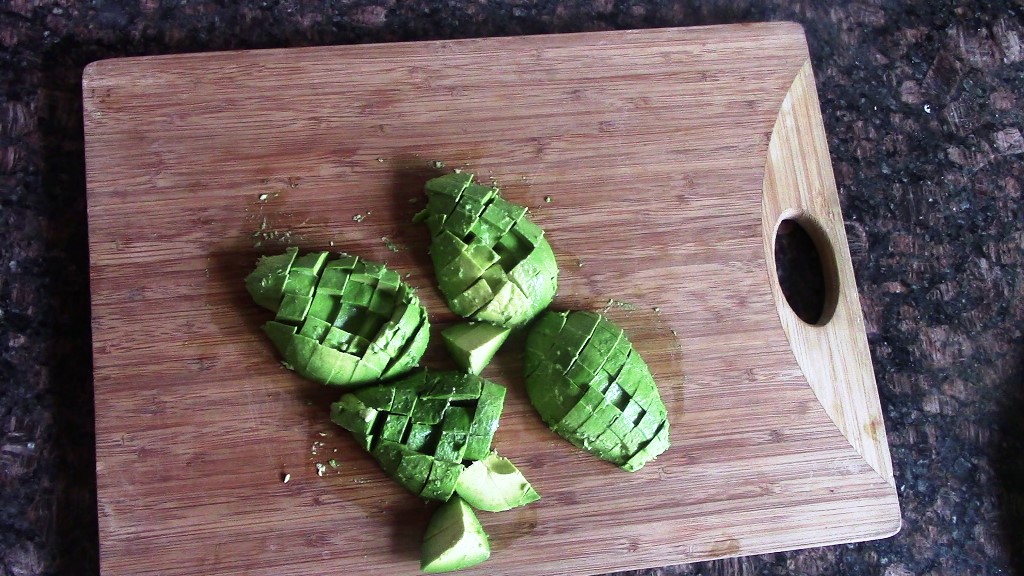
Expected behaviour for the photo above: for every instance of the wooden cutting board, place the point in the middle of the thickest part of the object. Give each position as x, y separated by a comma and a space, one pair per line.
660, 163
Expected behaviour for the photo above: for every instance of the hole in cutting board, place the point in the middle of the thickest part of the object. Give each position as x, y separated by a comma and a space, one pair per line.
806, 268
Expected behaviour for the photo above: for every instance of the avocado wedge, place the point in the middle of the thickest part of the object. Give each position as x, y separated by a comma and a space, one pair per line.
454, 539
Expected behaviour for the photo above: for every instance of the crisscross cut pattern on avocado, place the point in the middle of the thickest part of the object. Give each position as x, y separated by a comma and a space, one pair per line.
341, 320
592, 388
492, 263
422, 428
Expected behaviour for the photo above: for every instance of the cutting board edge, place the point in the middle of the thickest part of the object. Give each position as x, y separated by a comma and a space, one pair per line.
99, 68
799, 185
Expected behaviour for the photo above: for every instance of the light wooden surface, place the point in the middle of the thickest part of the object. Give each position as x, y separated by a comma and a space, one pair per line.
652, 146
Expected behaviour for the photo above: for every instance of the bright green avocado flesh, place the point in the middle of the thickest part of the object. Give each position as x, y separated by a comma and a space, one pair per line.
592, 388
492, 263
474, 345
494, 484
454, 539
340, 320
423, 428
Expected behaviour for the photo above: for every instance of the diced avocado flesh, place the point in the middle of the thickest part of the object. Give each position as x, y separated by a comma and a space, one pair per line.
592, 388
472, 346
454, 539
340, 320
492, 263
494, 484
423, 428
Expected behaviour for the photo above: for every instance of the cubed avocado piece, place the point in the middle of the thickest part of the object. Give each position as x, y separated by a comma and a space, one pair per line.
429, 411
440, 483
280, 334
394, 427
312, 262
473, 345
450, 185
459, 275
494, 484
580, 413
423, 437
321, 364
343, 370
266, 283
389, 455
477, 295
413, 471
353, 415
293, 308
454, 539
315, 328
455, 387
444, 248
300, 283
324, 306
299, 350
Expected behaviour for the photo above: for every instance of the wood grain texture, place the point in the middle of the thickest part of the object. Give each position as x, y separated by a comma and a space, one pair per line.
652, 147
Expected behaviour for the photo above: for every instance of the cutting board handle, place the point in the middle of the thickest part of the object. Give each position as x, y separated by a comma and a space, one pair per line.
832, 352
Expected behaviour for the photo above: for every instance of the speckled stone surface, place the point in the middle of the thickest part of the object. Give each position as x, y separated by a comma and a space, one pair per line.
924, 106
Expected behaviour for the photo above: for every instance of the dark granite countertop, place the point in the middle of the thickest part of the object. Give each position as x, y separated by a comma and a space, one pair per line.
924, 106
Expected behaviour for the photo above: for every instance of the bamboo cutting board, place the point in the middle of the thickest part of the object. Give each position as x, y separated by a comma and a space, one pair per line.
659, 162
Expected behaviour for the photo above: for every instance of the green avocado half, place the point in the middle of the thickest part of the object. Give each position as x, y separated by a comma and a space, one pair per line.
424, 428
492, 263
340, 320
592, 388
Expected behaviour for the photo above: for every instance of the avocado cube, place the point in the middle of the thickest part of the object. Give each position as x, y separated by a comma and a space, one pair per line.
456, 387
382, 303
353, 415
632, 413
324, 306
413, 471
321, 364
472, 299
450, 185
389, 455
343, 370
311, 262
280, 334
429, 411
266, 283
300, 283
440, 483
423, 437
528, 231
599, 421
444, 248
293, 308
477, 447
658, 444
358, 294
472, 346
580, 413
394, 427
315, 328
380, 397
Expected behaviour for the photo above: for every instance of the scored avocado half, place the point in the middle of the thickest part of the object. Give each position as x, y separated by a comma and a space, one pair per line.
423, 428
492, 263
340, 320
592, 388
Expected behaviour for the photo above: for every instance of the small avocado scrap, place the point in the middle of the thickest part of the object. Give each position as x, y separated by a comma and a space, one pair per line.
454, 539
473, 345
424, 428
492, 263
494, 484
340, 320
592, 388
